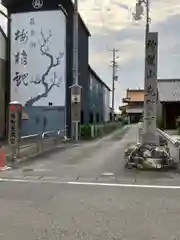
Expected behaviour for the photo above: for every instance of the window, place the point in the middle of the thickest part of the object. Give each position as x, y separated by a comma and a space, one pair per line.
97, 87
82, 117
97, 117
90, 82
91, 117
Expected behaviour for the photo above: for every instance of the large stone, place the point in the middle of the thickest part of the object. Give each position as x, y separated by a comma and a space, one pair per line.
152, 163
148, 156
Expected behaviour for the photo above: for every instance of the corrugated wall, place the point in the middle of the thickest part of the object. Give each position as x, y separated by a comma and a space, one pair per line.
2, 84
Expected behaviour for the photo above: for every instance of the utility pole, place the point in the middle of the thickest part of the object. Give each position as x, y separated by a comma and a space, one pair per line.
114, 76
75, 44
75, 88
150, 79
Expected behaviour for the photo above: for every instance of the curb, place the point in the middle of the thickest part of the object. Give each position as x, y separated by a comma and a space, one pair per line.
5, 168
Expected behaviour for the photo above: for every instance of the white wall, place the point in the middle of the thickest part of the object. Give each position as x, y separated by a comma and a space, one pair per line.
2, 46
106, 104
2, 83
53, 25
3, 20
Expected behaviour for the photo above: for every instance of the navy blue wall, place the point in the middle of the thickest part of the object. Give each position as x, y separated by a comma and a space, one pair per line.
43, 119
96, 102
53, 116
83, 72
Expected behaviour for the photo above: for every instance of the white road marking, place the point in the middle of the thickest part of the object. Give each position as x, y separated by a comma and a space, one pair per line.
107, 174
125, 185
41, 170
30, 180
88, 183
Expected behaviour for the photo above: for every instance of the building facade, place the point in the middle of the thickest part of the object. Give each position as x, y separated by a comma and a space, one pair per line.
99, 96
134, 101
169, 97
3, 39
41, 62
106, 104
168, 103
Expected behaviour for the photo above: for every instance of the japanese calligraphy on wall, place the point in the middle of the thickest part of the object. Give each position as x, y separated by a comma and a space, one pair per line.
38, 58
151, 82
13, 128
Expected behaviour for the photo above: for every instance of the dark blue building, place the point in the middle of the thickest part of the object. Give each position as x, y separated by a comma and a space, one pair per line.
99, 97
50, 116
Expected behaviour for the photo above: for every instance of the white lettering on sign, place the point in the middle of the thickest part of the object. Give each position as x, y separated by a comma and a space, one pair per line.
151, 87
13, 129
37, 4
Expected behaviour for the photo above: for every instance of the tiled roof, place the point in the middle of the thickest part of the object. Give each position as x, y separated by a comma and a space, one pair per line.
134, 110
135, 95
169, 90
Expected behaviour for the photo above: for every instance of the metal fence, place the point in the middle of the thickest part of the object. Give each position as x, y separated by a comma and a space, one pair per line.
174, 145
37, 143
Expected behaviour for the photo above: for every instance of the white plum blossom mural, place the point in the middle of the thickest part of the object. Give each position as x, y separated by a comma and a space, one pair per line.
38, 58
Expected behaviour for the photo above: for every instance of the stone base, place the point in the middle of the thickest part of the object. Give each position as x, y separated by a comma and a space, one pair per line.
146, 156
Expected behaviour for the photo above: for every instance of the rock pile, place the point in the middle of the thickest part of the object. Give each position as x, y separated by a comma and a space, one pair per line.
148, 157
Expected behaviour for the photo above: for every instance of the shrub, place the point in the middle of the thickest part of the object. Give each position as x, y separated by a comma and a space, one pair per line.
86, 131
99, 130
124, 121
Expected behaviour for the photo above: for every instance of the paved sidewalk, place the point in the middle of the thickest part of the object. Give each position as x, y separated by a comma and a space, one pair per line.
31, 151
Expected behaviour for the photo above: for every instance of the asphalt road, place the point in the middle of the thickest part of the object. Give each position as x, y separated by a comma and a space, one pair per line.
85, 193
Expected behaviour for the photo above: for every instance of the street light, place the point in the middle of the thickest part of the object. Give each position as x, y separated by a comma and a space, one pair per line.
139, 12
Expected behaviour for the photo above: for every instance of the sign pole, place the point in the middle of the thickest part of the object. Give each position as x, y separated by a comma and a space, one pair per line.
75, 110
15, 115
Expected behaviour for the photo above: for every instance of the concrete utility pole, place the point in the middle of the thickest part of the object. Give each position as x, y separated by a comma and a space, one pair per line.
75, 88
114, 76
150, 76
75, 44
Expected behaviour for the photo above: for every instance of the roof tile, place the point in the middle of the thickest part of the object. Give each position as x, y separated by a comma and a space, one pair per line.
169, 90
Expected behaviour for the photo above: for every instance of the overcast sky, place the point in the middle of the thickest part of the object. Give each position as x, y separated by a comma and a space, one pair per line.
111, 25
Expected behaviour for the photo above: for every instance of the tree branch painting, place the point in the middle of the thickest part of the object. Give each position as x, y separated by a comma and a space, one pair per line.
53, 63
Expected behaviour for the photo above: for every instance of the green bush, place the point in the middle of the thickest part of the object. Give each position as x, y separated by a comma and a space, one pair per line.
99, 130
124, 121
108, 128
86, 131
